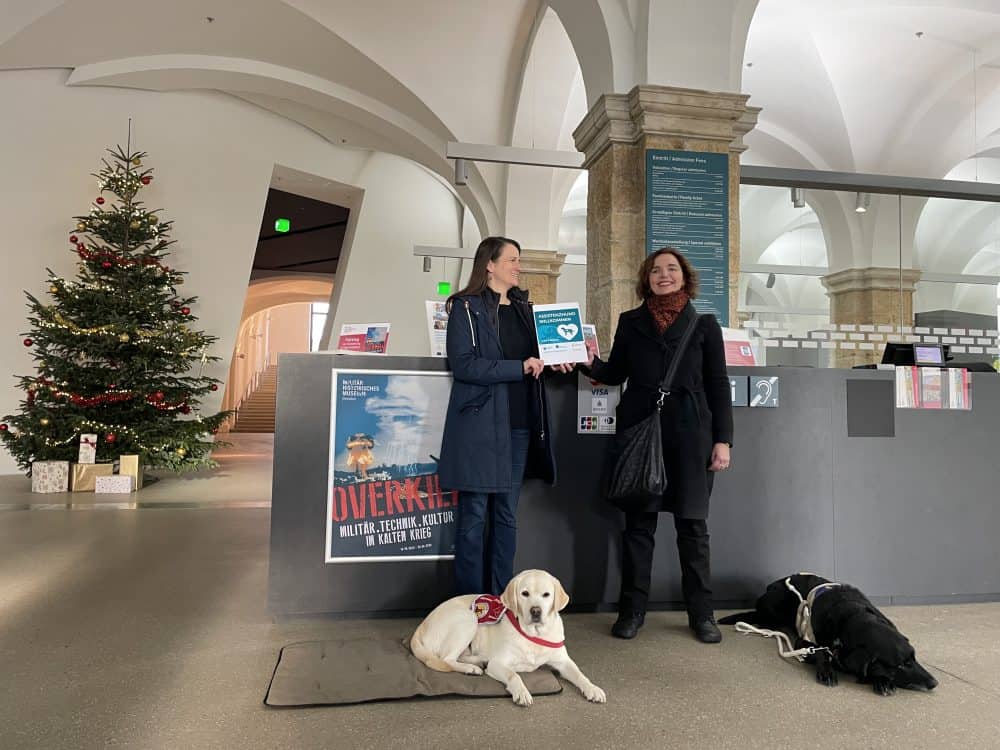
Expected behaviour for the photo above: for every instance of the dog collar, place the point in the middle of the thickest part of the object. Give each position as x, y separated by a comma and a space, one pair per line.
532, 638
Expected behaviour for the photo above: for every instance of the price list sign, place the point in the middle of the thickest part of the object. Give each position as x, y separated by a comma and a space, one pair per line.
687, 207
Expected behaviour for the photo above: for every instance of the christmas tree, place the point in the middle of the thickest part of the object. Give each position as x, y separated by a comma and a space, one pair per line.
115, 347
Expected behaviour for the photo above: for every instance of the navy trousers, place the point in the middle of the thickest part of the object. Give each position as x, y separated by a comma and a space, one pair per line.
486, 530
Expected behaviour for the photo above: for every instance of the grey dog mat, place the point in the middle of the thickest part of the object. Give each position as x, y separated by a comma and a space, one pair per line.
325, 673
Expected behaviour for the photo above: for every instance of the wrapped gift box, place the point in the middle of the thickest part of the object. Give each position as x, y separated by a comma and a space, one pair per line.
88, 449
116, 483
50, 476
84, 476
129, 465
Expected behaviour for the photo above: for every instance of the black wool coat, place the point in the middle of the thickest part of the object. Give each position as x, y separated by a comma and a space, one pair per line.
475, 448
697, 414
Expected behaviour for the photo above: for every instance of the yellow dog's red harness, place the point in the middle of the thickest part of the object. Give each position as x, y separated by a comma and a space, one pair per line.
489, 610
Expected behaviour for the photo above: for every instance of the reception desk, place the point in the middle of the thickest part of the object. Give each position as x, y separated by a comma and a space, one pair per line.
913, 518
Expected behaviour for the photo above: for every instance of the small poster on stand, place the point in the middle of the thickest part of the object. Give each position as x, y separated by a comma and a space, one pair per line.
363, 338
596, 403
437, 327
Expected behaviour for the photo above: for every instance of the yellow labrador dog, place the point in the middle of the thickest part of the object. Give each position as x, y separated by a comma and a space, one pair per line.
524, 636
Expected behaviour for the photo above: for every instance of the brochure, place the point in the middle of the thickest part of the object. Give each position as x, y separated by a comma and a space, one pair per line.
363, 338
437, 326
560, 333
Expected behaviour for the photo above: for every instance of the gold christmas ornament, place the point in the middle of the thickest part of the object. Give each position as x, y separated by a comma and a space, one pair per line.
53, 289
80, 226
181, 452
137, 162
44, 421
153, 219
134, 224
124, 338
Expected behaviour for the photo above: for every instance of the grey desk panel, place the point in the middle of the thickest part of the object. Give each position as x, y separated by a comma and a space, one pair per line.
918, 516
912, 517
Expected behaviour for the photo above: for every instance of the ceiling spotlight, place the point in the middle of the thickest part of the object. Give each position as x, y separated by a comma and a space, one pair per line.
771, 278
797, 200
427, 264
862, 202
461, 172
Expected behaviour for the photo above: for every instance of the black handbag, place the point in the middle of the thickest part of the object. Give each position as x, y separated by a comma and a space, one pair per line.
638, 473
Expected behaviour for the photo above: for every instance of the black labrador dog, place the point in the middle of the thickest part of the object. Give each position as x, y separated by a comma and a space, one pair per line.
861, 640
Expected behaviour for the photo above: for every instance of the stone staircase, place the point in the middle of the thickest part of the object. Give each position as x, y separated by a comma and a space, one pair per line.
256, 413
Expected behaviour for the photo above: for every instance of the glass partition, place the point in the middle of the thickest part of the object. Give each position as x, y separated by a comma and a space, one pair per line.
829, 278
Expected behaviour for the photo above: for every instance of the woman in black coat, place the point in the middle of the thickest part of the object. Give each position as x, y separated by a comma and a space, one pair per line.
697, 429
496, 430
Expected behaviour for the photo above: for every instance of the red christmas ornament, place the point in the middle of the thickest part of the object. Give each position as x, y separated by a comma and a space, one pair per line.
111, 437
111, 386
72, 239
158, 396
29, 342
106, 264
99, 201
4, 428
81, 252
146, 180
185, 311
185, 409
213, 387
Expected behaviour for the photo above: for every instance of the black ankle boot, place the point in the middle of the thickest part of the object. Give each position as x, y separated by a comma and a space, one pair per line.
705, 629
627, 625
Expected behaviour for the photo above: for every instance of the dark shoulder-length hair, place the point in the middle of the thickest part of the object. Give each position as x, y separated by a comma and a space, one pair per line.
489, 249
642, 287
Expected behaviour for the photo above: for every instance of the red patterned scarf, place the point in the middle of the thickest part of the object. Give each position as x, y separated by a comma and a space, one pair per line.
666, 307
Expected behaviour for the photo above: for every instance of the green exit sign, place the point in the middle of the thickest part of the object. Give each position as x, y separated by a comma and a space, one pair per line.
444, 288
282, 225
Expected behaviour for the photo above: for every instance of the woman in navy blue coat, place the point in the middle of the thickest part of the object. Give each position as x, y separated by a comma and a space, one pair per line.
497, 427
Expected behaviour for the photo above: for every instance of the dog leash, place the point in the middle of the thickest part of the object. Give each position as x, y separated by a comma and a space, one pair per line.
803, 624
785, 649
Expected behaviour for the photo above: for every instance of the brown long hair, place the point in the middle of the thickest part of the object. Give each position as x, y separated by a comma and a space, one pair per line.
642, 287
489, 249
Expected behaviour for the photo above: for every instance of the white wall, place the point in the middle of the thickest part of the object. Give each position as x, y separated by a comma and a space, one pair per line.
380, 280
289, 329
214, 156
571, 286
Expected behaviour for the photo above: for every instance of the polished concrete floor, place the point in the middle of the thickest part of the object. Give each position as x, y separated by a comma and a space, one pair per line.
147, 628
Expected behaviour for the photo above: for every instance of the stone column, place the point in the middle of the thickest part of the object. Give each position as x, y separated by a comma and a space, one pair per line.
540, 271
869, 296
614, 137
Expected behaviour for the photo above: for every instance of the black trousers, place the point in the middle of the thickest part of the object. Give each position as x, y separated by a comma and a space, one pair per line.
638, 541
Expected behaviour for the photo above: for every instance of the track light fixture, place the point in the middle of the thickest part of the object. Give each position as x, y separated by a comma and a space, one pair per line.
427, 264
862, 202
461, 172
771, 278
797, 200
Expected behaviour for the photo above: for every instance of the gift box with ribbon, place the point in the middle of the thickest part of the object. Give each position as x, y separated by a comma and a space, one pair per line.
88, 449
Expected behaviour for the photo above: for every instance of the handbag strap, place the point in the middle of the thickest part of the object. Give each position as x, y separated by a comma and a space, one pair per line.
668, 379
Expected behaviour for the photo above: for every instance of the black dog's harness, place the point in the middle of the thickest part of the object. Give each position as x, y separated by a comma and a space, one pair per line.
803, 623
